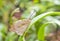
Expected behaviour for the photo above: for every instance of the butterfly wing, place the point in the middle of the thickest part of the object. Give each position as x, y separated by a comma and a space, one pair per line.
20, 26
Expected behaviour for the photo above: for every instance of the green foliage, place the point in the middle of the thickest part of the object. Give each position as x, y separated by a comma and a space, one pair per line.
11, 36
21, 38
3, 28
1, 3
41, 32
44, 21
40, 17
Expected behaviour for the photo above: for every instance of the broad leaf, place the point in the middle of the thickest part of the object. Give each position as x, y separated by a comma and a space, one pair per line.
40, 17
41, 32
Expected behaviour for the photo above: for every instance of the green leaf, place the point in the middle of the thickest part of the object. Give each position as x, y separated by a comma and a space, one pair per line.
52, 19
1, 3
36, 1
41, 31
21, 38
11, 36
2, 36
3, 28
40, 17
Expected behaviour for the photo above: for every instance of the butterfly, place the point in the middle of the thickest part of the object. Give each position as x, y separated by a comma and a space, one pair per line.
20, 26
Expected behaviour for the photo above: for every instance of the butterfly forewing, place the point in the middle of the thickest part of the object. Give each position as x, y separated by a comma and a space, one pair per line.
20, 26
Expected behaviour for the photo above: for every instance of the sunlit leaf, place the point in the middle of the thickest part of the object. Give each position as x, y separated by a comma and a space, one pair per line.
41, 31
3, 28
21, 38
40, 17
36, 1
11, 36
52, 19
1, 3
2, 36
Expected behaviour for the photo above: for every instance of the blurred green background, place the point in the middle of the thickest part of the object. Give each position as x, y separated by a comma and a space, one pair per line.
44, 20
